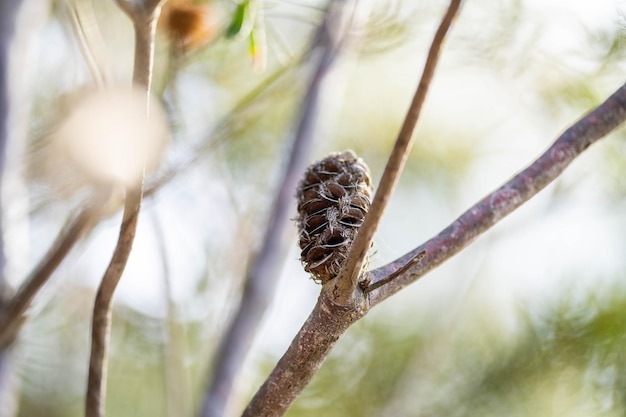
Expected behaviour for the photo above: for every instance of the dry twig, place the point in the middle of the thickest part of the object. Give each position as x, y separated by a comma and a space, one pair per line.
495, 206
12, 316
342, 302
263, 272
329, 320
144, 15
8, 16
351, 271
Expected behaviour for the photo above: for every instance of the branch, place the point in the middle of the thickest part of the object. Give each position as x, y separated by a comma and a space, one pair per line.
101, 320
494, 207
12, 315
326, 323
262, 274
8, 13
223, 131
144, 16
342, 302
351, 270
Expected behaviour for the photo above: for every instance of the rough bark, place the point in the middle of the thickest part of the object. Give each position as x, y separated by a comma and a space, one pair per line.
324, 326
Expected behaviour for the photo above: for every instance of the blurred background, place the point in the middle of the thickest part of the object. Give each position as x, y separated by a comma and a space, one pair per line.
530, 320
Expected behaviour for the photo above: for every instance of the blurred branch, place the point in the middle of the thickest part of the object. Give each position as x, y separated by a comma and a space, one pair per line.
224, 130
84, 25
8, 14
494, 207
144, 15
177, 393
262, 274
12, 316
341, 302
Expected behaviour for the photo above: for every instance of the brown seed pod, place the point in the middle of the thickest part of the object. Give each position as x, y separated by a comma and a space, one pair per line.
333, 199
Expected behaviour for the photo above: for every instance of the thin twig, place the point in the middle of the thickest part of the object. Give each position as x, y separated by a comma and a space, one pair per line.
495, 206
351, 270
8, 14
263, 272
9, 394
369, 287
12, 316
101, 320
225, 129
84, 25
144, 16
175, 382
328, 321
337, 308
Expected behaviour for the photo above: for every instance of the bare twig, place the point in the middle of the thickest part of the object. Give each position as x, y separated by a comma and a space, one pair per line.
263, 272
505, 199
9, 383
308, 350
177, 393
84, 25
369, 287
12, 316
225, 129
351, 270
8, 13
340, 304
326, 323
101, 320
144, 15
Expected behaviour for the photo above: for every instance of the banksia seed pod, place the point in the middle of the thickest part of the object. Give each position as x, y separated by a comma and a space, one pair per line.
333, 198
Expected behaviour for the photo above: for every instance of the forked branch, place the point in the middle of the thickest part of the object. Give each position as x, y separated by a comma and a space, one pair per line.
262, 274
329, 319
495, 206
342, 302
351, 270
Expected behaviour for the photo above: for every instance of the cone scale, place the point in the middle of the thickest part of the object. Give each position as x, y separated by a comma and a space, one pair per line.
333, 198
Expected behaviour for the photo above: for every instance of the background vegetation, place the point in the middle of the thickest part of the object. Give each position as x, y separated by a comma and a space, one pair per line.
529, 320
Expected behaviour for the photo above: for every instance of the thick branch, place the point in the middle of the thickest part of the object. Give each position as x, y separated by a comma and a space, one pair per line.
326, 323
263, 272
347, 280
494, 207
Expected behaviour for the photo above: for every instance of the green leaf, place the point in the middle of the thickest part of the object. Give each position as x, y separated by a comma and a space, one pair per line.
239, 19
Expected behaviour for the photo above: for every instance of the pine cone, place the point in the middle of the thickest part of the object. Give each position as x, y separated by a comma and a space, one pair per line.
333, 198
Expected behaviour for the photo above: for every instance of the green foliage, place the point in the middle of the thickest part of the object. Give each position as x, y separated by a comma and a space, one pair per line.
240, 15
361, 374
565, 359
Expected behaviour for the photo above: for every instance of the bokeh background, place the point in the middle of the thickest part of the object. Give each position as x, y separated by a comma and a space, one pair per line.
530, 320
